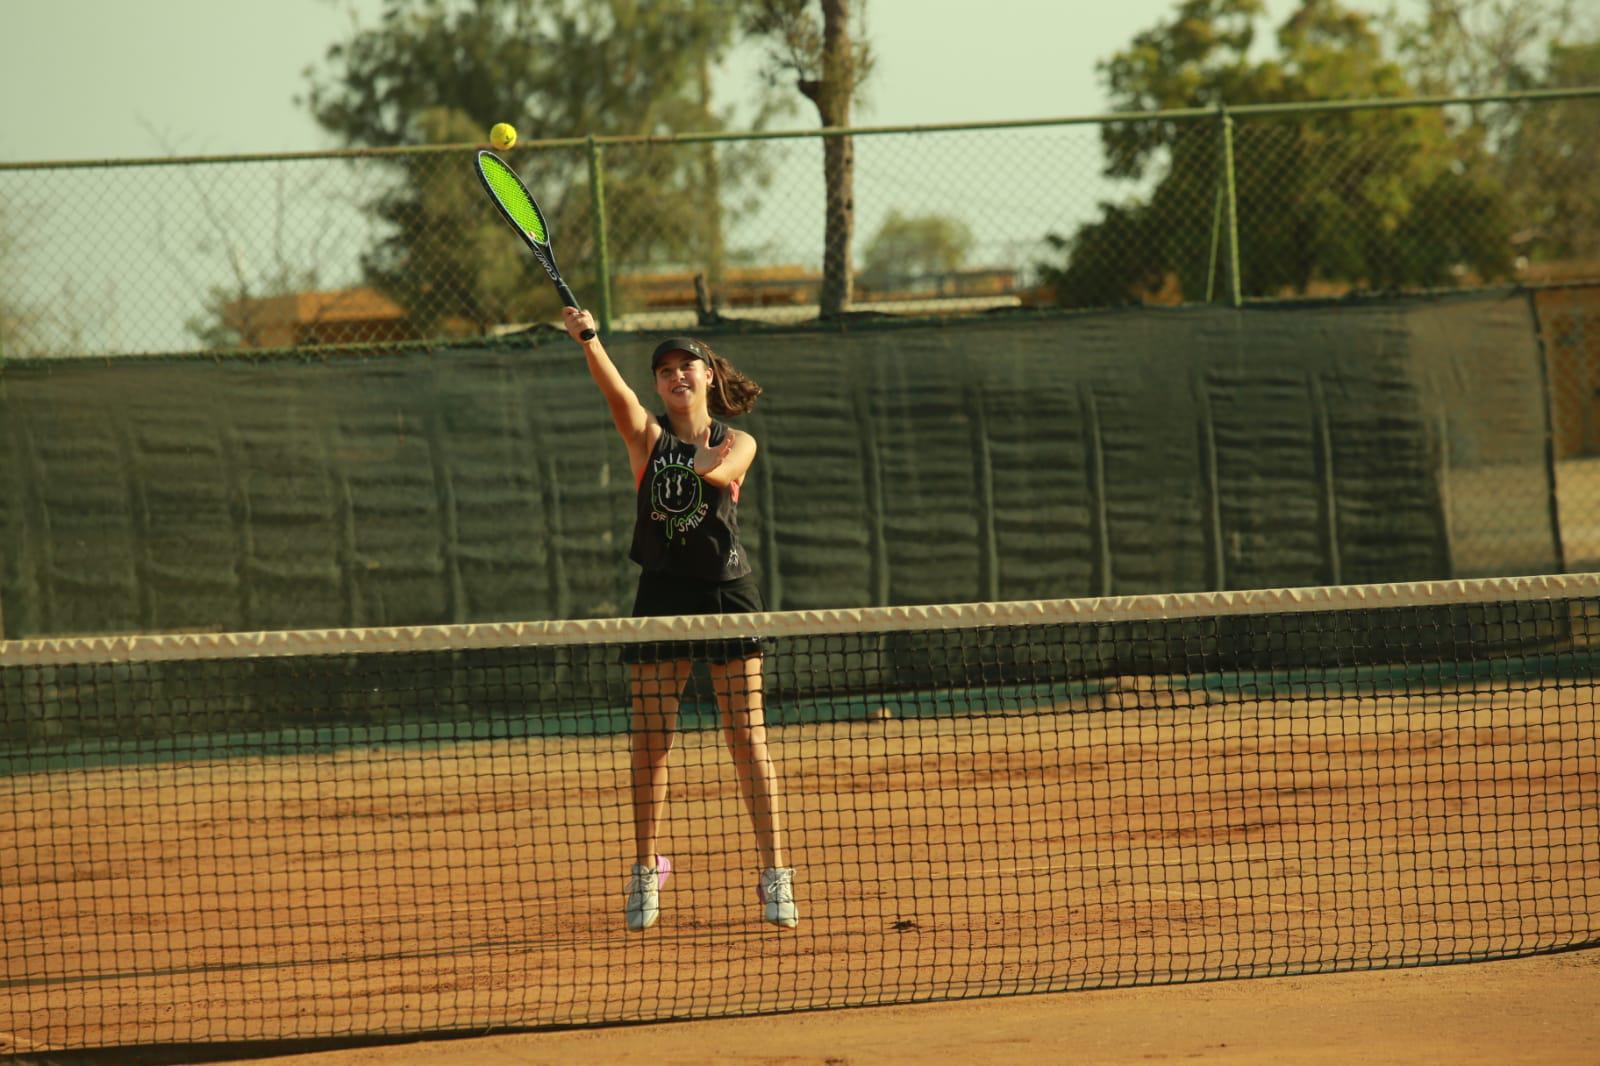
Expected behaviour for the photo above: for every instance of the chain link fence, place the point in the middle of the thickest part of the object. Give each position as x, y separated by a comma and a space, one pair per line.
312, 251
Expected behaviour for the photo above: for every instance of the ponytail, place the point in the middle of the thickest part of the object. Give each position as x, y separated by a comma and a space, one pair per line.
731, 392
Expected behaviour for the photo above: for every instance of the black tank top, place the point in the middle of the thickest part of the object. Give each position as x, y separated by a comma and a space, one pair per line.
684, 525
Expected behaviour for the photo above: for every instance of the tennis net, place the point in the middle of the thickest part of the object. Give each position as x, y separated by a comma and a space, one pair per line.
286, 836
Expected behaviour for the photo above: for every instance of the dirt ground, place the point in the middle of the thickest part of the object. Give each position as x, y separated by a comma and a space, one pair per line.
1534, 1011
1157, 836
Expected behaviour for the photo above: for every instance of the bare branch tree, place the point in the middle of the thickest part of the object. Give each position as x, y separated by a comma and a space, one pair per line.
822, 49
231, 317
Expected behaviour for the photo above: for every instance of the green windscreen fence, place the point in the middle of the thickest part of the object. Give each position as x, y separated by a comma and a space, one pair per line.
1025, 457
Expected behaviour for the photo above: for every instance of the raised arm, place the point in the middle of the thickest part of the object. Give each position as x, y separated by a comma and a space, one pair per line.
726, 463
633, 422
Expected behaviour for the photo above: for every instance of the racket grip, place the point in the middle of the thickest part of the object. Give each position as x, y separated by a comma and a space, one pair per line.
569, 300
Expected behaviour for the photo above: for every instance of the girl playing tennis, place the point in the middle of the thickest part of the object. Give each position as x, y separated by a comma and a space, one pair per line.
688, 469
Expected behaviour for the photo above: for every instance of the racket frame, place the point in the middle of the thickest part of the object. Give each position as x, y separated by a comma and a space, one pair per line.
540, 248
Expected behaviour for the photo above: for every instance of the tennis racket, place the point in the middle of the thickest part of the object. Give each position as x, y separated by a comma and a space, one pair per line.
519, 208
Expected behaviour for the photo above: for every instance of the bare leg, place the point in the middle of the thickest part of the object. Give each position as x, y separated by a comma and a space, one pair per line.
656, 690
739, 694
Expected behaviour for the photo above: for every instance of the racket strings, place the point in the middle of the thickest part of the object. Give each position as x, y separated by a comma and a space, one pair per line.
508, 191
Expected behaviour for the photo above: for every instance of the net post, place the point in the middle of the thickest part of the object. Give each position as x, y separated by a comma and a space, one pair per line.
602, 267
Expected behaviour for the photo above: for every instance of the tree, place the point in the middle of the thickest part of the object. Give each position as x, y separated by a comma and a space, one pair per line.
1551, 157
822, 49
1377, 198
232, 315
1470, 47
18, 321
34, 322
442, 71
907, 248
1546, 153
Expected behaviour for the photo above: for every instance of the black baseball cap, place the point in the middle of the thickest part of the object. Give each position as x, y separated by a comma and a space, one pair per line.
680, 344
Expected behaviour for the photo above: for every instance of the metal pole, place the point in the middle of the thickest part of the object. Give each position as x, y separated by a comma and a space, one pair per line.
1172, 115
1322, 435
1233, 202
1552, 449
1211, 475
1100, 580
1216, 230
602, 266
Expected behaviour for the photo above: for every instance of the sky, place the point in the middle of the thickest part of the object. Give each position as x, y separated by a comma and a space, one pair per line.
99, 79
127, 79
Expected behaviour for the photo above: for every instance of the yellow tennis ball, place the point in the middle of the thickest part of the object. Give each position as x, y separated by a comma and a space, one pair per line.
503, 135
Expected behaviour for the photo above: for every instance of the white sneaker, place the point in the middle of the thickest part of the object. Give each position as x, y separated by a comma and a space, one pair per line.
644, 893
776, 891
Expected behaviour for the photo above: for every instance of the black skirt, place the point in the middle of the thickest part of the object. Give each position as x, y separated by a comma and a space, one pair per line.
665, 595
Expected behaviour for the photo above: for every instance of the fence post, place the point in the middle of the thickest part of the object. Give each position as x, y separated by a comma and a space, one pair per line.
1216, 236
1231, 196
602, 266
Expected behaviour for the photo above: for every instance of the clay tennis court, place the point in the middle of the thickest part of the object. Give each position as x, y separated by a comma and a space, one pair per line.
1144, 836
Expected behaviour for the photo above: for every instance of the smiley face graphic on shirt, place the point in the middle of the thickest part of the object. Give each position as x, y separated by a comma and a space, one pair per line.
676, 498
